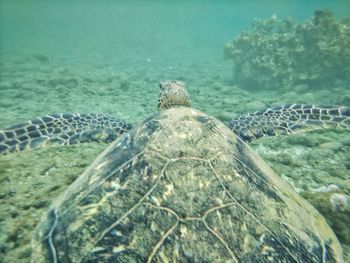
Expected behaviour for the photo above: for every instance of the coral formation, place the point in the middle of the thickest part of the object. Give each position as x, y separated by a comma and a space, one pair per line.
280, 53
339, 202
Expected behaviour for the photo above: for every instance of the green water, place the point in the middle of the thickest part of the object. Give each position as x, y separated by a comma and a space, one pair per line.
101, 44
109, 56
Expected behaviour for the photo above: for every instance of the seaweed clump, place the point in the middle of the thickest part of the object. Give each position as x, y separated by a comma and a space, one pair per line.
282, 53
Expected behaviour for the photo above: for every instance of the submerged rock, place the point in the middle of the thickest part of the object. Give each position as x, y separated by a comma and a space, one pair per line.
41, 58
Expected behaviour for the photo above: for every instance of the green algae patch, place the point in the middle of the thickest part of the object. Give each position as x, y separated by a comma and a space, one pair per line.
337, 219
30, 180
316, 170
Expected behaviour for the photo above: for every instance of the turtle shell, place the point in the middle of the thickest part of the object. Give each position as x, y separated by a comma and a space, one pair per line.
182, 187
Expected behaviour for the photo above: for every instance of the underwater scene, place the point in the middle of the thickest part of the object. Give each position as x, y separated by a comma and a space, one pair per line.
202, 128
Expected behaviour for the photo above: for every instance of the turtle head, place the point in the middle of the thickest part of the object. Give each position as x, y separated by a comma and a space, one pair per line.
173, 93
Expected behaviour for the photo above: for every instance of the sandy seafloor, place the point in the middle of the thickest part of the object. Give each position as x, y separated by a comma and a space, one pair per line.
37, 81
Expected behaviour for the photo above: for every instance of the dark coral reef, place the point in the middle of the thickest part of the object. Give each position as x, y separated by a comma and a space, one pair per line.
282, 53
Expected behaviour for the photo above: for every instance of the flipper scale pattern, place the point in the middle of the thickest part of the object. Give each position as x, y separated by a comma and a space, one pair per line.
61, 129
291, 118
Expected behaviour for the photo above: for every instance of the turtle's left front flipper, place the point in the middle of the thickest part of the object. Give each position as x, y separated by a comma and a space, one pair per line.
61, 129
288, 119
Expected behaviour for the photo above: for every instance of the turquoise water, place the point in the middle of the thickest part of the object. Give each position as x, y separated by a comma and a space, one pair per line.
151, 35
109, 56
134, 41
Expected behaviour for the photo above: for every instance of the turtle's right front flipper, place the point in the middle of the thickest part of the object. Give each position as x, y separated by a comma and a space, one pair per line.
288, 119
61, 129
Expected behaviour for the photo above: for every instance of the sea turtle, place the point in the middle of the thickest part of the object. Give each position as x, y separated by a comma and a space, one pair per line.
180, 187
65, 129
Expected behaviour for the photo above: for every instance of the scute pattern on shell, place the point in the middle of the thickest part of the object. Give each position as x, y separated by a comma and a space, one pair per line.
182, 187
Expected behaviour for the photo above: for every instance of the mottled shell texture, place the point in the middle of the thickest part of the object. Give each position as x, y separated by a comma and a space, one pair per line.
181, 187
